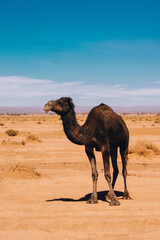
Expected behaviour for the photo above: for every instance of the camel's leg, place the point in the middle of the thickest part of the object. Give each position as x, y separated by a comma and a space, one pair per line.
107, 174
124, 156
113, 154
92, 159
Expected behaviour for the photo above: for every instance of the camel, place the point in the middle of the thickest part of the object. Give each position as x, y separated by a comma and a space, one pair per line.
104, 131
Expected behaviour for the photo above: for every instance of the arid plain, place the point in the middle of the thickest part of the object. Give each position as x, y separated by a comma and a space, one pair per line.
45, 181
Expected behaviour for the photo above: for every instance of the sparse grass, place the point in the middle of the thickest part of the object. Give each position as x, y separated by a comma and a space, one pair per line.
144, 148
140, 117
11, 132
157, 120
4, 142
20, 170
8, 142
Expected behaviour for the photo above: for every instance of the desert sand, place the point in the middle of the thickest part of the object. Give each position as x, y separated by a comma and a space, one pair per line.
45, 181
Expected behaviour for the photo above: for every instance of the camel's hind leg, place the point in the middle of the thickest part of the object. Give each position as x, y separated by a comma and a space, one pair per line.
92, 159
124, 156
113, 154
112, 196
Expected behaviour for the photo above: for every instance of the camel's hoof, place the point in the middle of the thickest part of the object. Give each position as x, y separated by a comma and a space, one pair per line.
126, 195
114, 203
92, 201
112, 198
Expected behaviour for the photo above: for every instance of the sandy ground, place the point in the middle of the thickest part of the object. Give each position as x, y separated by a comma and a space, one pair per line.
45, 182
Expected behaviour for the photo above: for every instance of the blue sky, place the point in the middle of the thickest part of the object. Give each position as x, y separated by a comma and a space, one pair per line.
93, 51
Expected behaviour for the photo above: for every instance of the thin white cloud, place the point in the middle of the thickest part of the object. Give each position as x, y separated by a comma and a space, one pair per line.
16, 87
20, 80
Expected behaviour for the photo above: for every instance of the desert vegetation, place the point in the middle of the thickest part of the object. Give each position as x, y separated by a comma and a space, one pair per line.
144, 148
33, 137
12, 132
21, 170
9, 142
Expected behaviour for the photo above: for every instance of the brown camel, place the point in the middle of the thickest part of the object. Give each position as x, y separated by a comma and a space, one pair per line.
103, 130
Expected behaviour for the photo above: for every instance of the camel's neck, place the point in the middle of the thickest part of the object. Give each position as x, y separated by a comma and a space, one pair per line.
72, 129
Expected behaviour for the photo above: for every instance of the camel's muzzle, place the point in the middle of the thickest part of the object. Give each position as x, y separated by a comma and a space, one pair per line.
49, 106
46, 109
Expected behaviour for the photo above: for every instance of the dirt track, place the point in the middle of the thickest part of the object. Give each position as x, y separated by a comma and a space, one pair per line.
53, 205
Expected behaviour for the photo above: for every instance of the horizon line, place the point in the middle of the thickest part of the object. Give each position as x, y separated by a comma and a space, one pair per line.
80, 109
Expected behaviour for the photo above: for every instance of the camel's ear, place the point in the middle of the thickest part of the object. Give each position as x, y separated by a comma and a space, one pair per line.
70, 102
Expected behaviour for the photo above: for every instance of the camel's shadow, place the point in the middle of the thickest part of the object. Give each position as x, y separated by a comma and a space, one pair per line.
101, 196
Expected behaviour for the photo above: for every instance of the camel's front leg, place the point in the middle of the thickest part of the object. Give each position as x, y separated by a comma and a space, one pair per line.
91, 156
112, 196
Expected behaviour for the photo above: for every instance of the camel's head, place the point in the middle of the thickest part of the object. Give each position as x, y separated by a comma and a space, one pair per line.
60, 106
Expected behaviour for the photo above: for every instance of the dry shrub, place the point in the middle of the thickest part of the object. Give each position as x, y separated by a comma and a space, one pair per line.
144, 148
4, 142
11, 132
20, 171
33, 137
2, 124
8, 142
157, 120
23, 142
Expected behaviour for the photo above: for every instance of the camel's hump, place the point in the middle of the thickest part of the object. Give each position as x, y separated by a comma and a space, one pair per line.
105, 107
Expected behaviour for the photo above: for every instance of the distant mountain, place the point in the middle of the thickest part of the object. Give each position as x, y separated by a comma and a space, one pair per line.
21, 110
81, 109
125, 109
